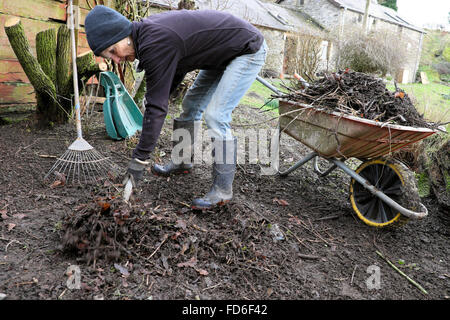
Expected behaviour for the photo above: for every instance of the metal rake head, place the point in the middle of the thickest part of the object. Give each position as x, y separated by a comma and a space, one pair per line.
82, 164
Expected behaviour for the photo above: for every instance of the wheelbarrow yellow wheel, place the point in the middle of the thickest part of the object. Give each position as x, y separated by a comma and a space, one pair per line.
392, 178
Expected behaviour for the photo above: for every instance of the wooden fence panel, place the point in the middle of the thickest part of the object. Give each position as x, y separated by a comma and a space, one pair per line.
37, 9
11, 71
16, 93
36, 16
31, 27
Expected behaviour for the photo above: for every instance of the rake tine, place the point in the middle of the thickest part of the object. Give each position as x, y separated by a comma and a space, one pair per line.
82, 166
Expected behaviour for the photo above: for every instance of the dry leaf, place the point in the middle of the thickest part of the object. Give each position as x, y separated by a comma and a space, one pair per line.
105, 206
202, 272
11, 226
19, 216
3, 214
56, 184
281, 202
191, 263
399, 94
123, 270
181, 224
185, 247
175, 235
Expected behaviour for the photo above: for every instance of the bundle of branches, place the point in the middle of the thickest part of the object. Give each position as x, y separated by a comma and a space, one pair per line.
361, 95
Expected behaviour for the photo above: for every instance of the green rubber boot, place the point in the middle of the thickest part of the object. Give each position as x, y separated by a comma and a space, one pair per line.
182, 167
224, 169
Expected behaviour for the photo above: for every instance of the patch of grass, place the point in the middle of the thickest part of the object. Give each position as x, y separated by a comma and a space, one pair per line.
432, 74
434, 44
259, 96
447, 181
423, 184
430, 100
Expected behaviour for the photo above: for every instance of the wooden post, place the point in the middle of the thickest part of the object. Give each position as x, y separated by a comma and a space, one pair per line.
366, 16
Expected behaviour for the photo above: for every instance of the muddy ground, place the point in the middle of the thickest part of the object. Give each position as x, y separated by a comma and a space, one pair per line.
172, 252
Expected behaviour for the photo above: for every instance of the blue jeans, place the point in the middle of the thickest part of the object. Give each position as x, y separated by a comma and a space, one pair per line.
215, 94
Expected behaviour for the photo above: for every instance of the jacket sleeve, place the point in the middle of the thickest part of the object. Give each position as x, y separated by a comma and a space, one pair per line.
176, 81
160, 71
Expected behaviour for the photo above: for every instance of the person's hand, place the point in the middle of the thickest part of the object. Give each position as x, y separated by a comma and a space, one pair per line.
135, 171
132, 177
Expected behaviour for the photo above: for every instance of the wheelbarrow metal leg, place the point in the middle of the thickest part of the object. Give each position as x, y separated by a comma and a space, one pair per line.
406, 212
324, 173
298, 164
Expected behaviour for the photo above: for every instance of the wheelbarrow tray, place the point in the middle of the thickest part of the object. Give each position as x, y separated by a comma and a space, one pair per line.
337, 135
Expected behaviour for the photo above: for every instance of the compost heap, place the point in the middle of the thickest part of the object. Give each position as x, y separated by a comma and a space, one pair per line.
361, 95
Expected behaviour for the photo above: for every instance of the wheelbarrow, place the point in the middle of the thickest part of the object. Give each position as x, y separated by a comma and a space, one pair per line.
383, 191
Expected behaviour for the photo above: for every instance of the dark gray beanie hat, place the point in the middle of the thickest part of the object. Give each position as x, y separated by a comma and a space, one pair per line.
104, 27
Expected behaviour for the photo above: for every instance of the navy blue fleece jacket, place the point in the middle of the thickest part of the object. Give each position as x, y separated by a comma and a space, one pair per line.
170, 44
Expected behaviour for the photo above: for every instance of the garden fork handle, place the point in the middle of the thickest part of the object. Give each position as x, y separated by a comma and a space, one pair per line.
75, 72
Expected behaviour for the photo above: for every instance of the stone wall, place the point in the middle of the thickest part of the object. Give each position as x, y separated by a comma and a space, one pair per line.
322, 11
338, 20
275, 41
409, 38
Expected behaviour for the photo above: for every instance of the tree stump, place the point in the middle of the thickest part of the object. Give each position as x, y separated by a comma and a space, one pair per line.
50, 72
46, 52
87, 67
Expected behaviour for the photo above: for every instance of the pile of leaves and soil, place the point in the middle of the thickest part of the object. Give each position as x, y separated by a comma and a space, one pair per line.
170, 240
361, 95
110, 230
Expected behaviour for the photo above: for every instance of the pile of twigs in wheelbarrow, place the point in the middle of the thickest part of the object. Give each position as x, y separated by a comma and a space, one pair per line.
360, 95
